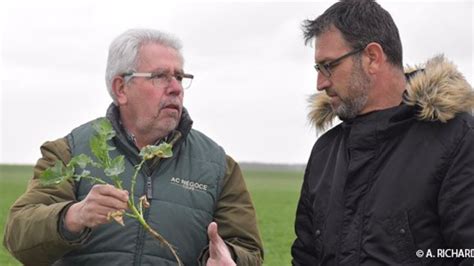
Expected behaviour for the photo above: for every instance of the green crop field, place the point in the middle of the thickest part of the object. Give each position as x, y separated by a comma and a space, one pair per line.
275, 195
13, 180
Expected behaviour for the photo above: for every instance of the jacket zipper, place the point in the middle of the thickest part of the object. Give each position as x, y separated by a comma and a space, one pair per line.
149, 188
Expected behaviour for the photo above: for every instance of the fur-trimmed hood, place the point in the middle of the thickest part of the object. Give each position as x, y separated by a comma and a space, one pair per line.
439, 90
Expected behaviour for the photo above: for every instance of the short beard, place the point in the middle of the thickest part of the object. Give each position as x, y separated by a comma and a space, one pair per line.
358, 89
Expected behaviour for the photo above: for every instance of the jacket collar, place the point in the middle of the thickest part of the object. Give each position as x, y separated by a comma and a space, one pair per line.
439, 91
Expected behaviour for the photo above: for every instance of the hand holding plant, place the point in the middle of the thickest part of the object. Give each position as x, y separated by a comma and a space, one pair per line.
112, 168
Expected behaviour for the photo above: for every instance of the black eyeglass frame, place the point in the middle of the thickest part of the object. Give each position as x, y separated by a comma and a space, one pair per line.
325, 68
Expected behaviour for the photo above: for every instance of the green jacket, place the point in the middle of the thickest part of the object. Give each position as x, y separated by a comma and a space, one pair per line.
35, 236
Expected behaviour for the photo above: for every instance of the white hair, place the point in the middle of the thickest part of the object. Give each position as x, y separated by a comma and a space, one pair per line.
123, 51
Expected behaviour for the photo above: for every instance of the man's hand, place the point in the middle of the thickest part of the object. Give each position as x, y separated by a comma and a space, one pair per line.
219, 254
94, 209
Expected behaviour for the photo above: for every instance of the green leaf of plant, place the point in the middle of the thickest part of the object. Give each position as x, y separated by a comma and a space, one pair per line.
98, 143
104, 128
117, 166
98, 147
97, 165
84, 173
81, 160
68, 170
164, 150
53, 175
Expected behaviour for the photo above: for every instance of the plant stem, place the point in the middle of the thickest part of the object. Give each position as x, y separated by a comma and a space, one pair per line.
155, 234
130, 215
134, 180
117, 182
95, 180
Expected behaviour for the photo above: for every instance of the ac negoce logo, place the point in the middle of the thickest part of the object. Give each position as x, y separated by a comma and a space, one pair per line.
191, 185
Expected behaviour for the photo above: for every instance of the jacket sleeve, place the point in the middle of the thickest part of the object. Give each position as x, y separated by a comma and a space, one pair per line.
32, 233
303, 250
456, 196
236, 220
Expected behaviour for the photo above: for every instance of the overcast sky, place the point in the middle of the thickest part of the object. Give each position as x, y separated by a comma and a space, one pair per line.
253, 72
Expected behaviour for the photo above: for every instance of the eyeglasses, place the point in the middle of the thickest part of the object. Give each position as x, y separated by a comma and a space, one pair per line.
163, 79
325, 68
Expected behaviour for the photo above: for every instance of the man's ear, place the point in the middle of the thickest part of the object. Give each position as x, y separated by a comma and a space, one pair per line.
375, 57
118, 89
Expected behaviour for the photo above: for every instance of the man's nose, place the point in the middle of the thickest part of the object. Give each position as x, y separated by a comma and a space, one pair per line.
174, 86
322, 82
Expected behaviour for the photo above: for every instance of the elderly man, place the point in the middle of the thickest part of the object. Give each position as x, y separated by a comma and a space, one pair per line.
69, 225
393, 184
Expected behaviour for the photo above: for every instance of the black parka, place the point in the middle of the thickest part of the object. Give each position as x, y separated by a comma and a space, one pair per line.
392, 187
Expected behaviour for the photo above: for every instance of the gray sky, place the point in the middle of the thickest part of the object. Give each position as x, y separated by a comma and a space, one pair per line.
252, 71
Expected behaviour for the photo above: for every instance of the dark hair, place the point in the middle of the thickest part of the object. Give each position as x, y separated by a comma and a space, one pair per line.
360, 22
